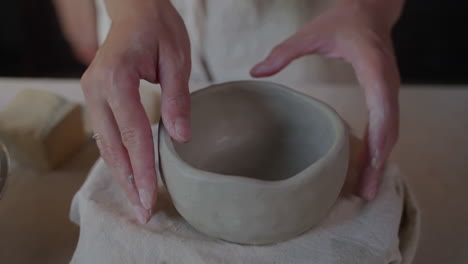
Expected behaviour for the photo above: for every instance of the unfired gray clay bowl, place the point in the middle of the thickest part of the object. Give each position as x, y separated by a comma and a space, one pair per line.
264, 164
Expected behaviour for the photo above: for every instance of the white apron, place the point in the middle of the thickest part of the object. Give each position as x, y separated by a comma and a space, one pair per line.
228, 37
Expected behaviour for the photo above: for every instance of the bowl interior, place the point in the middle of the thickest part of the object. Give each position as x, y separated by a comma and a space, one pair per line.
256, 130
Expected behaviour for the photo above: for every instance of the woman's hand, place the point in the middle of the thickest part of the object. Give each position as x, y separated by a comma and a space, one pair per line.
147, 40
357, 31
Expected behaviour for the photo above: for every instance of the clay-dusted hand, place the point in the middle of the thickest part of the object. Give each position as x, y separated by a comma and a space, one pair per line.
359, 33
147, 40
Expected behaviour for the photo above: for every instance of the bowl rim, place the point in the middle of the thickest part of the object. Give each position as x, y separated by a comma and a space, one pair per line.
318, 165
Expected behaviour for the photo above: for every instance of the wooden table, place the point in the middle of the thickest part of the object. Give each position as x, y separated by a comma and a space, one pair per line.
432, 152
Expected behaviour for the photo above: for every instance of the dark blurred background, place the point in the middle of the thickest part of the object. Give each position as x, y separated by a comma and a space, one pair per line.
430, 42
32, 43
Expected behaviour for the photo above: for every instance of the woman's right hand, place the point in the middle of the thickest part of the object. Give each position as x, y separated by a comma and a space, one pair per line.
147, 40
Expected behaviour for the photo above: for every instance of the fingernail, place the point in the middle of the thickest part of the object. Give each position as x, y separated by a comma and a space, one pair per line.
180, 128
145, 198
141, 214
370, 193
368, 189
259, 68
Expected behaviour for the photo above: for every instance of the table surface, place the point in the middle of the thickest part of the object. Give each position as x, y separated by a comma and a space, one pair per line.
432, 152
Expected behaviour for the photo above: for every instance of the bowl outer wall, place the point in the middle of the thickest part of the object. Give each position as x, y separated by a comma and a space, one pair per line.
252, 211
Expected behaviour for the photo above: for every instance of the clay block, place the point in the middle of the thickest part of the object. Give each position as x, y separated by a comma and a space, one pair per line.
42, 129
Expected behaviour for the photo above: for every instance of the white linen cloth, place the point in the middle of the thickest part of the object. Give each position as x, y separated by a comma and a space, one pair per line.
382, 231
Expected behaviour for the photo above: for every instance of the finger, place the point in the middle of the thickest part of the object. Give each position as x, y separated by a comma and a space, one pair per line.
111, 148
283, 54
135, 134
377, 74
175, 105
378, 151
363, 154
354, 169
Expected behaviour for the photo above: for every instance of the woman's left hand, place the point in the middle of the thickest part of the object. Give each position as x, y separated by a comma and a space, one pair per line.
357, 31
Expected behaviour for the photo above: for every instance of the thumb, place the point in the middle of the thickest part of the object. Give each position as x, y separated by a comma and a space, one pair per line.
283, 54
377, 73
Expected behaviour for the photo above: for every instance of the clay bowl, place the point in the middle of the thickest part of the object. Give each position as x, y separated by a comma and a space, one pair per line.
264, 164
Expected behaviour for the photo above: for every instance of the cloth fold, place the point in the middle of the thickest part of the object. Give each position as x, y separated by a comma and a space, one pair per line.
381, 231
